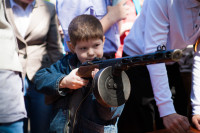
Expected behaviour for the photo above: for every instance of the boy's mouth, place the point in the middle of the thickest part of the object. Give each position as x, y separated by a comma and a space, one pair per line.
90, 59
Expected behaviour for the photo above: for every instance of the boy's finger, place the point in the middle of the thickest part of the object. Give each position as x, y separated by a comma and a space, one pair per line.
85, 81
81, 79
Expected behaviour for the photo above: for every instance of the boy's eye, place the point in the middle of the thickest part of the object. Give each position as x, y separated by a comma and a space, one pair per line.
83, 48
96, 45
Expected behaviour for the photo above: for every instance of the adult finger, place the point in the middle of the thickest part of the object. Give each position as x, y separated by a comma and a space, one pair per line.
179, 129
196, 123
185, 124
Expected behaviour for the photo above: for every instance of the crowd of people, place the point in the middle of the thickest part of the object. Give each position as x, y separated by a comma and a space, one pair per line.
40, 83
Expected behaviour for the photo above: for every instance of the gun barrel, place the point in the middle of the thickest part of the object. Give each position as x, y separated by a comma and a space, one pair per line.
153, 58
161, 56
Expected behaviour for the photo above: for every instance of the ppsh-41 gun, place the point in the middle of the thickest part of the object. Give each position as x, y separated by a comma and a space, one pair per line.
111, 85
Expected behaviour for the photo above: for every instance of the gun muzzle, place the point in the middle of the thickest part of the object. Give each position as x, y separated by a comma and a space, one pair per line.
177, 55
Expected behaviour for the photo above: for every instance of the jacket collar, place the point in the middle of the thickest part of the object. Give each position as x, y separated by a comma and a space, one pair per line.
73, 61
12, 3
34, 18
10, 17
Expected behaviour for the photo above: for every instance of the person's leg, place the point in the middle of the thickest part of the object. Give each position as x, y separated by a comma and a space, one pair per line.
158, 120
138, 114
27, 101
143, 99
25, 126
179, 93
14, 127
39, 112
59, 120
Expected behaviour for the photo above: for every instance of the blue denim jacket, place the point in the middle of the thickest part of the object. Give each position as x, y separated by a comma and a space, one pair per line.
74, 110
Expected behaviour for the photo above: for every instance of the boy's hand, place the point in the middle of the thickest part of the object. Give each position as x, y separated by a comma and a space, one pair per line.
176, 123
196, 121
94, 72
118, 12
73, 81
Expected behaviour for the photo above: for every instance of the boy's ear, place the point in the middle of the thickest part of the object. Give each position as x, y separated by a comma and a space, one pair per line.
104, 39
70, 46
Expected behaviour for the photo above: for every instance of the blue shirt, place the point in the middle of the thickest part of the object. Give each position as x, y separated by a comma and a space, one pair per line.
68, 9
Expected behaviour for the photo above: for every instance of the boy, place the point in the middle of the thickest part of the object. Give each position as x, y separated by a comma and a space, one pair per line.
76, 109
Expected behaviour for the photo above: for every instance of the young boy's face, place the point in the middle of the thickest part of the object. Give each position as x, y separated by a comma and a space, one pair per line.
88, 50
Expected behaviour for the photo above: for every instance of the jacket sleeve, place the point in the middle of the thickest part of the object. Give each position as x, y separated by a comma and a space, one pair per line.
47, 79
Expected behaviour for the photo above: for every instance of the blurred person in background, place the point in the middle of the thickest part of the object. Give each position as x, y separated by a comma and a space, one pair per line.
126, 24
36, 28
159, 96
104, 10
12, 107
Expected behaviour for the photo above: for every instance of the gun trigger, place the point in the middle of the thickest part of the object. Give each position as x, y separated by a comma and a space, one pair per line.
126, 60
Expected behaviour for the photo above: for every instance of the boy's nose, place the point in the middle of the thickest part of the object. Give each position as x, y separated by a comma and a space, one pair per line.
90, 52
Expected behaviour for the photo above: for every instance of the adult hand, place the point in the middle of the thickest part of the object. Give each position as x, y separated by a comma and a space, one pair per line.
196, 121
73, 81
118, 12
176, 123
114, 15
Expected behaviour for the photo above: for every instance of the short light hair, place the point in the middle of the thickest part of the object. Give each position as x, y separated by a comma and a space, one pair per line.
85, 27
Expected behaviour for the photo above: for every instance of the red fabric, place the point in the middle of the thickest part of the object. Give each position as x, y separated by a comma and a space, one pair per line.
130, 18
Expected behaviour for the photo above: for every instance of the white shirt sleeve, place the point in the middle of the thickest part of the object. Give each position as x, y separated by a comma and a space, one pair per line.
161, 90
195, 92
156, 33
166, 22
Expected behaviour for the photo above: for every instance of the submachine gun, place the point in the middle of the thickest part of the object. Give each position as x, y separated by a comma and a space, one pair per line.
111, 85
